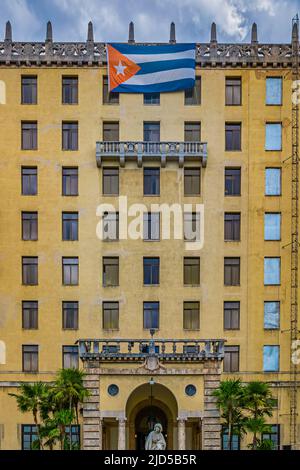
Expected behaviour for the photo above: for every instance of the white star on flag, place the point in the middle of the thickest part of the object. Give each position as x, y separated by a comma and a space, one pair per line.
120, 68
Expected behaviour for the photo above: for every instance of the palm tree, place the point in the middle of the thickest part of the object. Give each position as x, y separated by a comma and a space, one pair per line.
257, 426
229, 400
32, 398
69, 391
62, 419
259, 402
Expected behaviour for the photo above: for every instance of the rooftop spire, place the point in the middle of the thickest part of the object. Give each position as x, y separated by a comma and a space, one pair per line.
49, 37
213, 33
295, 32
90, 35
172, 33
8, 32
254, 34
131, 32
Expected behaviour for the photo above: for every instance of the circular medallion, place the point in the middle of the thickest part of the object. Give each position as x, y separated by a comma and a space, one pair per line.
113, 390
190, 390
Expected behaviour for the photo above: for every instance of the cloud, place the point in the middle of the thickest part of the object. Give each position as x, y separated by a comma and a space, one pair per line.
25, 21
152, 19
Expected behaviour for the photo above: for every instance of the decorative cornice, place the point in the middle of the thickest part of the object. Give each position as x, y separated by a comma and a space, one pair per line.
90, 53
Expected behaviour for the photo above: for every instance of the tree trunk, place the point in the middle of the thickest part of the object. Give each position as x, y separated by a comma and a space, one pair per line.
38, 430
229, 431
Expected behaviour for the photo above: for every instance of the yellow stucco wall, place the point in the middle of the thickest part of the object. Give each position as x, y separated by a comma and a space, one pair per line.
172, 113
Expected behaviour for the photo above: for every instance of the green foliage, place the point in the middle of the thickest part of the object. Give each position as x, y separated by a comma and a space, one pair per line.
244, 408
54, 408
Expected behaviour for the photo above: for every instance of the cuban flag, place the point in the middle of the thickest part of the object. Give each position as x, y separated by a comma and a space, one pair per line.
150, 69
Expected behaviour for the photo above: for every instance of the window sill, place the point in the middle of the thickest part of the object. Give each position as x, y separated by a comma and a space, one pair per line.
70, 329
191, 329
110, 330
151, 240
151, 285
191, 285
235, 241
113, 286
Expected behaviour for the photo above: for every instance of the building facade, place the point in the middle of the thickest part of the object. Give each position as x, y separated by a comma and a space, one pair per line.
155, 324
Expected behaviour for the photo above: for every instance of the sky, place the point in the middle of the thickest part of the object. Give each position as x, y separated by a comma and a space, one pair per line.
152, 19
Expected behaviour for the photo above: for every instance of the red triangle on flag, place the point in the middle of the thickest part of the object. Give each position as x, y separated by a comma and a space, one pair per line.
120, 68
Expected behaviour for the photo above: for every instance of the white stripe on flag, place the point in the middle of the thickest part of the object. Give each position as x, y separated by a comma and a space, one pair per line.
161, 77
142, 58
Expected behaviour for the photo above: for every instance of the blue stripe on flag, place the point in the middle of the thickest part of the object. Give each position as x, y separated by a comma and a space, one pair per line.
175, 85
159, 49
150, 67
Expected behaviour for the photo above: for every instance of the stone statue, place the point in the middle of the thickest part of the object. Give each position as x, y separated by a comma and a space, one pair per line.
155, 439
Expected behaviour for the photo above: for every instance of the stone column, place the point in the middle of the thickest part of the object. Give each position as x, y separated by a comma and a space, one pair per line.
181, 433
211, 427
121, 433
100, 433
91, 412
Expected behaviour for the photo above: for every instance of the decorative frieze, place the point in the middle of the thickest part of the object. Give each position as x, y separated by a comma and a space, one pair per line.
90, 53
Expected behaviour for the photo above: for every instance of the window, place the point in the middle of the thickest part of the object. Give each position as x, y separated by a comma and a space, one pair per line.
272, 271
273, 181
70, 226
232, 136
70, 135
191, 271
151, 271
273, 136
70, 315
70, 271
74, 433
110, 315
231, 315
29, 135
111, 131
232, 271
271, 358
70, 181
29, 436
111, 226
191, 223
151, 181
151, 98
70, 357
192, 96
151, 315
273, 436
110, 182
29, 180
29, 89
192, 131
70, 90
272, 226
232, 226
233, 94
274, 90
30, 315
151, 131
151, 226
109, 98
271, 315
30, 270
231, 359
232, 181
191, 315
110, 271
192, 181
29, 225
235, 440
30, 358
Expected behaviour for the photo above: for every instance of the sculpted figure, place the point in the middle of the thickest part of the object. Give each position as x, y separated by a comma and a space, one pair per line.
155, 439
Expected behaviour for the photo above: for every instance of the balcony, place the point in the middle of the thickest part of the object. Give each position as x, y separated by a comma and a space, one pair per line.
124, 151
137, 350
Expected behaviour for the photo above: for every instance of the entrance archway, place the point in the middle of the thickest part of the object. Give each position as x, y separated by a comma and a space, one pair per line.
147, 405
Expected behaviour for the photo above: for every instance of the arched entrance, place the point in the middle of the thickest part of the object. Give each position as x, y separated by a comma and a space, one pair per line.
147, 405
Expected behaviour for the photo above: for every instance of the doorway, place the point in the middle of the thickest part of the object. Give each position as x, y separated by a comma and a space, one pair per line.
145, 421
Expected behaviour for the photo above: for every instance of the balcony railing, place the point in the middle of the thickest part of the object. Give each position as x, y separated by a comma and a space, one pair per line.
167, 350
132, 150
